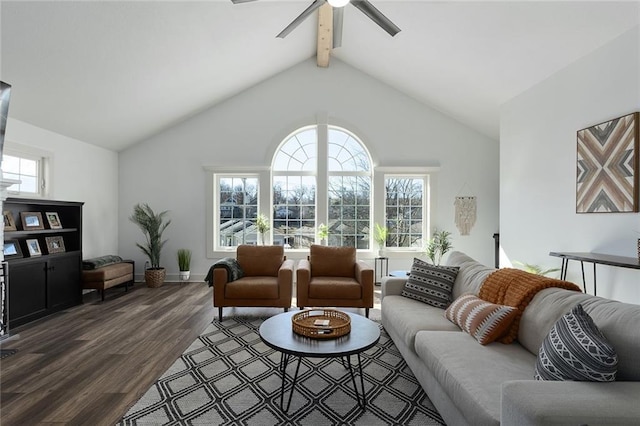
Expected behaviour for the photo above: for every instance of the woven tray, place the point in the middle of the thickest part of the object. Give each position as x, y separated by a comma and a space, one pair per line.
306, 324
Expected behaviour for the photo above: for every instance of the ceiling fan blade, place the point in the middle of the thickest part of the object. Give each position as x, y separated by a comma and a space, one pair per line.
376, 16
241, 1
338, 15
304, 15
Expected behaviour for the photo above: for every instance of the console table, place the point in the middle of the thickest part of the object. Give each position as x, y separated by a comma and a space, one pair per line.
595, 258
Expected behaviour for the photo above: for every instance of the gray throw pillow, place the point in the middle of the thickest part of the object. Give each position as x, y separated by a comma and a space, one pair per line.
575, 349
430, 284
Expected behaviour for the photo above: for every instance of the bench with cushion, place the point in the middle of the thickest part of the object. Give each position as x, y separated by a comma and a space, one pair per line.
104, 272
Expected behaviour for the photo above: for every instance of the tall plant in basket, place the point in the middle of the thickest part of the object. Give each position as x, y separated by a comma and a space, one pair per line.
152, 225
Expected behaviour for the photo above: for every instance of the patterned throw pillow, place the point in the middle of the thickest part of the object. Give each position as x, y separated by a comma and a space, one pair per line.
575, 349
430, 284
485, 321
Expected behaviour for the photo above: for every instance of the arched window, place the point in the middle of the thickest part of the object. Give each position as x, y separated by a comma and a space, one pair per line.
321, 176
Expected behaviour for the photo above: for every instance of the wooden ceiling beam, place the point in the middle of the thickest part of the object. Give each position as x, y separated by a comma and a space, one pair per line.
325, 34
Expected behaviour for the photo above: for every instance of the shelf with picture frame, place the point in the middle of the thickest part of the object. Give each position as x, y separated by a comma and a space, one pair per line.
45, 237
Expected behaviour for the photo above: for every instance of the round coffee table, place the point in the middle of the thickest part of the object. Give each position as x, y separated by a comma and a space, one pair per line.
277, 333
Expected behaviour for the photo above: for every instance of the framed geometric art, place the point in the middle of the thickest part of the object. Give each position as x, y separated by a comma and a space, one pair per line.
607, 166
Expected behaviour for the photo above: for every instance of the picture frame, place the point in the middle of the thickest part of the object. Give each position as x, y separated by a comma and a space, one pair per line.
31, 221
12, 249
34, 247
54, 220
55, 244
608, 171
9, 222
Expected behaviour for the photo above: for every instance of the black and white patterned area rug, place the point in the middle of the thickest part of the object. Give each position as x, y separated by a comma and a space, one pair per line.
228, 376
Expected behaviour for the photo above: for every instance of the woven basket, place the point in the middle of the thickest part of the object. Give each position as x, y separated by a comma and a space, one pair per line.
154, 277
305, 323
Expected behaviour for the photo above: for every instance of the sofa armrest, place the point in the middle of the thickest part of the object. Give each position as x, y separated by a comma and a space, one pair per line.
391, 286
303, 277
535, 402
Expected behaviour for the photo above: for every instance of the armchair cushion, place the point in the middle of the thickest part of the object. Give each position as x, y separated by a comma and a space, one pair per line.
329, 261
335, 288
260, 260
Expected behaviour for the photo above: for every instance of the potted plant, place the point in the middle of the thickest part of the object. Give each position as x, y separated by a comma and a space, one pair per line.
184, 263
152, 226
535, 269
380, 236
438, 245
262, 225
323, 233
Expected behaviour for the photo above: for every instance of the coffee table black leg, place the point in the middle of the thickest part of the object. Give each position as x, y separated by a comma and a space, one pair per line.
353, 379
284, 361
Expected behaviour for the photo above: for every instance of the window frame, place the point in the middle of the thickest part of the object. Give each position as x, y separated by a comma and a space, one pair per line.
44, 164
429, 174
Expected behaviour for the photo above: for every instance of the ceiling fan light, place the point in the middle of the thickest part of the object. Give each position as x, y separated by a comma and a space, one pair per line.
338, 3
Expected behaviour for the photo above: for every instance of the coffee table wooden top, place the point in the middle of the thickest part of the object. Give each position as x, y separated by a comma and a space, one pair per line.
277, 333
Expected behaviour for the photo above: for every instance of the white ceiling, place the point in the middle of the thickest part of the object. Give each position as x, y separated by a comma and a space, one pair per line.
113, 73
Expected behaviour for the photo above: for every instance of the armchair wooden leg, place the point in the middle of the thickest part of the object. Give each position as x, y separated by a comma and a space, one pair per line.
286, 309
366, 312
219, 313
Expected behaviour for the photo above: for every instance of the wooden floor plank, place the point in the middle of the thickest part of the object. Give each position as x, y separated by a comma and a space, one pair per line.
90, 363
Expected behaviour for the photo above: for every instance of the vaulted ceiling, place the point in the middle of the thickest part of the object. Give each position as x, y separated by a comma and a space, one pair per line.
112, 73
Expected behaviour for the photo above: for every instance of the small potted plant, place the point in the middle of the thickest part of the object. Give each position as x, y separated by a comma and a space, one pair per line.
380, 236
152, 226
438, 245
184, 263
262, 225
323, 233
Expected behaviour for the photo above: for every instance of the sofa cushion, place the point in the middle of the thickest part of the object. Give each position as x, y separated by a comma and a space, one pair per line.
408, 316
470, 276
575, 349
328, 261
472, 374
616, 320
430, 284
484, 321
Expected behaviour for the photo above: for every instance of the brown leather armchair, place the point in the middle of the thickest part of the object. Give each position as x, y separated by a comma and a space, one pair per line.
267, 280
332, 276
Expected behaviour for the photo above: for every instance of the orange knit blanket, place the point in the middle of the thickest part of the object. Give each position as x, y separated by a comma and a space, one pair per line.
514, 287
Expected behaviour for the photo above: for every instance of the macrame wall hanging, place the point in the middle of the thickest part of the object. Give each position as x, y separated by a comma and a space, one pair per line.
465, 214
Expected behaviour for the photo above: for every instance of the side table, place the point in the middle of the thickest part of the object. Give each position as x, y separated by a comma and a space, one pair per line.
384, 268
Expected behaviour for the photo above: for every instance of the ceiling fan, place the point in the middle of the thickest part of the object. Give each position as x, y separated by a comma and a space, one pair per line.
338, 9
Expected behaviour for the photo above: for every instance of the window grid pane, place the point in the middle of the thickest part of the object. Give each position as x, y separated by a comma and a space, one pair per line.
349, 211
23, 169
238, 210
294, 218
404, 213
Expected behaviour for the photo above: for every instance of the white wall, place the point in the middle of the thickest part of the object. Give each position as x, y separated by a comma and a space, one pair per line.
81, 172
538, 167
167, 170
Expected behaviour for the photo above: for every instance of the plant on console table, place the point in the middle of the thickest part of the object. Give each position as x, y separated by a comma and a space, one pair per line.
184, 263
438, 246
262, 225
380, 236
152, 226
323, 233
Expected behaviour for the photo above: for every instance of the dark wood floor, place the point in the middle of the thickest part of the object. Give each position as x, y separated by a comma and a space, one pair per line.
89, 364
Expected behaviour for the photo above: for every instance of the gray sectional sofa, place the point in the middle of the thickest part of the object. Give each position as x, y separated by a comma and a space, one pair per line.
471, 384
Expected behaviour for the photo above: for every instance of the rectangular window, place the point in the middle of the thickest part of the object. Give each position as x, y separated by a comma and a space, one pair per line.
349, 210
405, 199
294, 219
238, 209
28, 169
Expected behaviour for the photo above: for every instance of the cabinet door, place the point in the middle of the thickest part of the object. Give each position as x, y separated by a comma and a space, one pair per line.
64, 282
27, 292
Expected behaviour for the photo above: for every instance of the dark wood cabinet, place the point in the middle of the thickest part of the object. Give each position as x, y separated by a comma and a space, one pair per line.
40, 285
